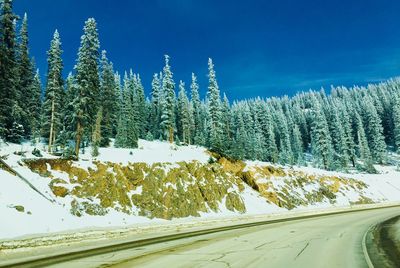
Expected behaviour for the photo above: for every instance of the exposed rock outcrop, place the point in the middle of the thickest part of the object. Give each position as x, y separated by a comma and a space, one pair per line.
161, 190
175, 190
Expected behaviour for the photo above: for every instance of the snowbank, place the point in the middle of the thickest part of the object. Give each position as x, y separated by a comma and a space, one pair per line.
24, 212
384, 186
151, 152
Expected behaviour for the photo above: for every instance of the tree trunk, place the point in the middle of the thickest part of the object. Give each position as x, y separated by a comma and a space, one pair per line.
78, 138
51, 127
171, 135
54, 139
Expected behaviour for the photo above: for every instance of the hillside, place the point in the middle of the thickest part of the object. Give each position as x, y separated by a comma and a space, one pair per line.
159, 182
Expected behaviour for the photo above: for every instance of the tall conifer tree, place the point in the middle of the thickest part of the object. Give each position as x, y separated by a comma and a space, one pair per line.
321, 139
198, 128
363, 148
109, 100
396, 121
8, 70
168, 103
214, 109
141, 106
34, 107
53, 101
87, 76
374, 131
155, 110
26, 76
184, 114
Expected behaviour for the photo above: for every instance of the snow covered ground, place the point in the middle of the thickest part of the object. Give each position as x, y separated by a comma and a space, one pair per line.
25, 213
384, 186
42, 217
151, 152
381, 187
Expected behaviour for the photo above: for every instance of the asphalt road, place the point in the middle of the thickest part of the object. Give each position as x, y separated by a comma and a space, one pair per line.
383, 242
326, 241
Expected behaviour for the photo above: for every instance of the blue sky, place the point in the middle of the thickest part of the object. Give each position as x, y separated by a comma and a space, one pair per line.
260, 48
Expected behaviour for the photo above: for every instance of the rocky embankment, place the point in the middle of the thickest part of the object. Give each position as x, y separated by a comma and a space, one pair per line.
289, 188
161, 190
176, 190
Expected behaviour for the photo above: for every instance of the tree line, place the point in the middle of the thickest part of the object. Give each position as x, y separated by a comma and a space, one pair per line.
348, 128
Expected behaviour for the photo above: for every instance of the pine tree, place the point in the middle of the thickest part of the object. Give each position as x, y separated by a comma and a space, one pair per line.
128, 133
122, 130
250, 133
122, 133
118, 94
198, 128
258, 139
396, 121
285, 149
300, 119
226, 124
338, 138
141, 106
184, 114
214, 109
297, 145
68, 113
34, 107
168, 103
321, 139
386, 117
191, 121
374, 131
96, 138
239, 150
155, 110
149, 136
87, 76
363, 147
109, 100
132, 103
201, 133
8, 69
348, 135
271, 147
25, 76
16, 133
131, 117
52, 106
267, 127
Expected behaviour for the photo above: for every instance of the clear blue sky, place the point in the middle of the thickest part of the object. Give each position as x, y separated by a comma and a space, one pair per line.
260, 48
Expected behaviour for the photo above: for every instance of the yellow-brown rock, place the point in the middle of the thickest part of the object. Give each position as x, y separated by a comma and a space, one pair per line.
166, 190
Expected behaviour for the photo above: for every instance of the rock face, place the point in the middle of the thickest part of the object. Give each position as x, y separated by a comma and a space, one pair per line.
289, 188
166, 190
161, 190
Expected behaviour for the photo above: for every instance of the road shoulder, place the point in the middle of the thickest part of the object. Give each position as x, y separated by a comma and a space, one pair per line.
382, 243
